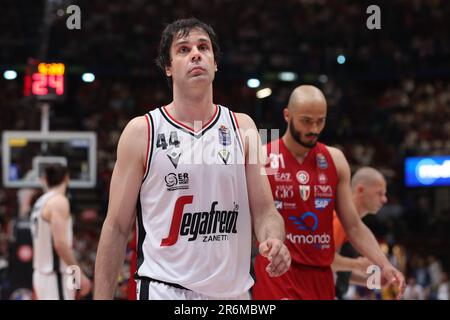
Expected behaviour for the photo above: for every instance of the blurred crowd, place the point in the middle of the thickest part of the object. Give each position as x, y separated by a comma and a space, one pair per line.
391, 99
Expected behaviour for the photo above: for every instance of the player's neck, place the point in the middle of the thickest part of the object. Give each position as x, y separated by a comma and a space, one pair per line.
359, 206
61, 189
300, 152
191, 106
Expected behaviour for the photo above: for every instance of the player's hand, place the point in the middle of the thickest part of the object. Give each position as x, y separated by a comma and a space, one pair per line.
362, 263
392, 276
278, 255
85, 285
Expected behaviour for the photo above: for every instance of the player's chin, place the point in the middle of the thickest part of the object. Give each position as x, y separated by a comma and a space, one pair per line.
202, 76
310, 144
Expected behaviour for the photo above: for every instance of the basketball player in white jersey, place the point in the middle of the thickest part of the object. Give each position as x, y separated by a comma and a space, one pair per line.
184, 171
51, 227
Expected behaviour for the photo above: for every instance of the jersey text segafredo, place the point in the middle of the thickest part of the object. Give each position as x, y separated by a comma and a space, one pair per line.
212, 225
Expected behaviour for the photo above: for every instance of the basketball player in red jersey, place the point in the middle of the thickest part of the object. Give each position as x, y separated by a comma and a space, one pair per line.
312, 180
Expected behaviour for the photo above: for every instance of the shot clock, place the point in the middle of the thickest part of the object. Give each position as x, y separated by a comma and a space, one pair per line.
44, 80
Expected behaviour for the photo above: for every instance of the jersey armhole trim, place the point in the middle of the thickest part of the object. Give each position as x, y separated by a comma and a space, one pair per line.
236, 128
332, 163
150, 138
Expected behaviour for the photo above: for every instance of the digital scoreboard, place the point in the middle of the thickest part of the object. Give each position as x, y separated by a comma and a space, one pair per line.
45, 80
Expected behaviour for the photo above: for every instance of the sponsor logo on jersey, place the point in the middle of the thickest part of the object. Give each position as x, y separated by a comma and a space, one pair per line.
323, 191
174, 157
322, 178
278, 204
308, 221
284, 192
303, 177
321, 203
177, 181
289, 205
322, 162
282, 177
304, 192
212, 225
319, 241
224, 135
224, 156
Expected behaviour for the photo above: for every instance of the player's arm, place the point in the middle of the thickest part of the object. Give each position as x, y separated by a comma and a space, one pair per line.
59, 217
359, 278
341, 263
124, 189
357, 232
268, 225
58, 209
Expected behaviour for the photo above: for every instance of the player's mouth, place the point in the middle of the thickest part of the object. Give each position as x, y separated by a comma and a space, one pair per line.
196, 70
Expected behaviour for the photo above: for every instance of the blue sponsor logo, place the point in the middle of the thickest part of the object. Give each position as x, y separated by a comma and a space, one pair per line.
224, 136
307, 221
427, 171
321, 203
322, 162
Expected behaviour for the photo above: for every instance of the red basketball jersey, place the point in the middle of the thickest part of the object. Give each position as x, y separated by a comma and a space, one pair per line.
304, 194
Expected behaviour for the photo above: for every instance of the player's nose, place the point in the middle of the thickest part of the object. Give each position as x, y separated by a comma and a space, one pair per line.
195, 54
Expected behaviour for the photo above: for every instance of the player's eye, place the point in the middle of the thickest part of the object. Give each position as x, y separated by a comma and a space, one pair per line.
183, 49
306, 121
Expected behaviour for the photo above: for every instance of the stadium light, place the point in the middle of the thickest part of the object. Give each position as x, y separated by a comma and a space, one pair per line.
88, 77
9, 74
287, 76
253, 83
341, 59
323, 78
263, 93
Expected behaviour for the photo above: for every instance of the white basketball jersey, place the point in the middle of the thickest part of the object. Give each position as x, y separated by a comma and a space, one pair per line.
193, 216
45, 258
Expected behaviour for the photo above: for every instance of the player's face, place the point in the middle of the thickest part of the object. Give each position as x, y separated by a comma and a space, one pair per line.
375, 196
192, 59
306, 129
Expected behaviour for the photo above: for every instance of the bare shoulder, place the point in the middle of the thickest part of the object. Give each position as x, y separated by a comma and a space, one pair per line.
339, 159
59, 200
336, 153
245, 121
136, 126
58, 203
134, 139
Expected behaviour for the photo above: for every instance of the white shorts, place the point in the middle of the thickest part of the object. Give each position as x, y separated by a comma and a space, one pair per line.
52, 286
162, 291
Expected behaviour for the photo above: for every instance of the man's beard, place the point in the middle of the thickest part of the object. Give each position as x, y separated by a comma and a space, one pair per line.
297, 137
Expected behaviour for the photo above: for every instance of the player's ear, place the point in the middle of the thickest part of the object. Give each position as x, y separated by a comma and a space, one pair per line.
360, 189
168, 71
215, 66
286, 114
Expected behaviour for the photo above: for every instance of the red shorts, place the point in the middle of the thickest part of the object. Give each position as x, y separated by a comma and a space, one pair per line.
300, 282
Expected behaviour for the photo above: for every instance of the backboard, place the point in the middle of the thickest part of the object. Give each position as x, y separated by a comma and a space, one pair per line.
25, 154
